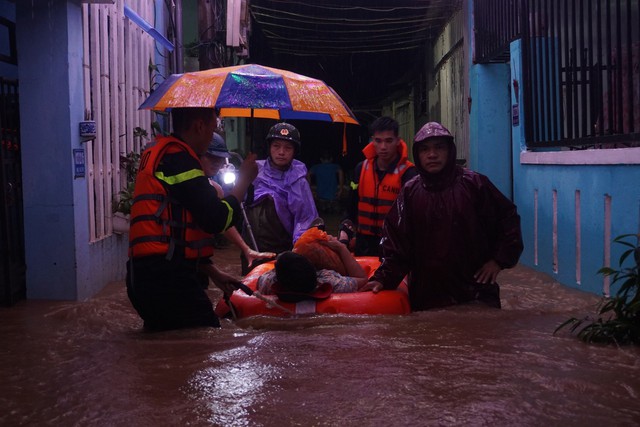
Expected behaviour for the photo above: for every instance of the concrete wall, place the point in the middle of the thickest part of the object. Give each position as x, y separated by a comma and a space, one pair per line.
7, 11
490, 126
490, 150
61, 262
573, 203
447, 82
45, 60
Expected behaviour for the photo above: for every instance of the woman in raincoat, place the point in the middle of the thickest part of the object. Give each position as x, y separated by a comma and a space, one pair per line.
450, 229
282, 205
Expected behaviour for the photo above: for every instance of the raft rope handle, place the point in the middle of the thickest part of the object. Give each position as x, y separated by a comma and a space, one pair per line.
270, 303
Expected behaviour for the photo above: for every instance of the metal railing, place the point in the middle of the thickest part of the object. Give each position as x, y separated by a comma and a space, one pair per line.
581, 68
497, 23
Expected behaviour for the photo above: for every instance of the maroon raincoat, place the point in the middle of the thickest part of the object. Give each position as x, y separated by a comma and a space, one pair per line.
441, 229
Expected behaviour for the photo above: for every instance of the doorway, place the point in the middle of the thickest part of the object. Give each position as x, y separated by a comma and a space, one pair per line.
12, 258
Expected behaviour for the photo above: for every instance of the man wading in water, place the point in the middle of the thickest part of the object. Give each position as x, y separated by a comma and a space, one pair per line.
173, 218
451, 229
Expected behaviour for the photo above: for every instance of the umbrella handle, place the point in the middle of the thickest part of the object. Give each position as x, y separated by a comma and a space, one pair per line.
247, 290
272, 303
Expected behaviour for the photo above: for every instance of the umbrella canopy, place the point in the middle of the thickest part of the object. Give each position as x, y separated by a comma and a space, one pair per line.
252, 91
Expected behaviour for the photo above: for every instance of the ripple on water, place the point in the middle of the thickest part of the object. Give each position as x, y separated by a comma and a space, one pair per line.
89, 363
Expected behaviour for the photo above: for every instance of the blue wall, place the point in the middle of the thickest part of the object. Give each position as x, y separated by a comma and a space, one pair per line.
594, 182
46, 148
497, 147
61, 261
7, 11
490, 124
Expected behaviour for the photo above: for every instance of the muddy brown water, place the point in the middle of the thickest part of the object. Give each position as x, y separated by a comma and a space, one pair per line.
90, 364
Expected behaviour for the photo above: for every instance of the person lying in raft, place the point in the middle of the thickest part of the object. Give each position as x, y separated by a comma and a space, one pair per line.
295, 278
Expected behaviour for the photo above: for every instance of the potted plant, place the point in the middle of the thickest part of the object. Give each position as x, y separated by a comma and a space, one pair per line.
618, 318
130, 162
124, 199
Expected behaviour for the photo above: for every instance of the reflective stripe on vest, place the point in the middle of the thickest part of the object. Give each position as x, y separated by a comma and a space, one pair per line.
154, 230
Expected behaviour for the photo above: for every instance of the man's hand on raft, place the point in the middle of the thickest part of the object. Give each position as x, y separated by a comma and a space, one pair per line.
224, 281
252, 256
488, 273
372, 285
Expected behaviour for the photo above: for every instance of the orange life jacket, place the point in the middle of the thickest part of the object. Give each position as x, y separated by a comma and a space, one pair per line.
153, 230
375, 196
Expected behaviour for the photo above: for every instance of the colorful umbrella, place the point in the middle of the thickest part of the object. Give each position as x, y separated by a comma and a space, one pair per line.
252, 91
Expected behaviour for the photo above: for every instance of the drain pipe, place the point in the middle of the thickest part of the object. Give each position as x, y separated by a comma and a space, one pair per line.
178, 37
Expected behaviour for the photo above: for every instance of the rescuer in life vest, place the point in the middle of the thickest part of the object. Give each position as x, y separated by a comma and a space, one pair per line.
173, 218
376, 183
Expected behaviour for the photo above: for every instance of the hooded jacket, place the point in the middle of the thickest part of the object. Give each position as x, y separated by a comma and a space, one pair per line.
441, 229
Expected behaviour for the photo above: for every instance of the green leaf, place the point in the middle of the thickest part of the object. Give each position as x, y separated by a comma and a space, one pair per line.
606, 271
620, 321
625, 255
565, 323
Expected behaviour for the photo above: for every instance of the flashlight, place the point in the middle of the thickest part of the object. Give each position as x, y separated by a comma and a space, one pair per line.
228, 172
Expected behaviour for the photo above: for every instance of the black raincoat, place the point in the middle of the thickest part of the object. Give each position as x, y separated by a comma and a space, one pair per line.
441, 229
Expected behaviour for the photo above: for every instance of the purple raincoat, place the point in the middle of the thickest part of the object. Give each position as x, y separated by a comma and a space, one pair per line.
291, 194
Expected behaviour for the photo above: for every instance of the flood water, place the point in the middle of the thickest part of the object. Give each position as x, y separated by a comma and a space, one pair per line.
90, 364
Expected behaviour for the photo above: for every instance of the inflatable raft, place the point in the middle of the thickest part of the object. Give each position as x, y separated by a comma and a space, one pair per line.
384, 302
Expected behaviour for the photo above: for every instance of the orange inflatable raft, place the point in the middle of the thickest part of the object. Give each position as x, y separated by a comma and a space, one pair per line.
384, 302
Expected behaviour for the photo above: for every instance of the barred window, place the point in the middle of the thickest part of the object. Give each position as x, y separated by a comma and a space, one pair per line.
580, 83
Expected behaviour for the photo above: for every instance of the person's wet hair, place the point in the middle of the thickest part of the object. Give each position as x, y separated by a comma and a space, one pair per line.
295, 273
183, 117
384, 123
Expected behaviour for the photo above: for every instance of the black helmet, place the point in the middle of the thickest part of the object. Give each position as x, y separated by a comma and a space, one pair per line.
284, 131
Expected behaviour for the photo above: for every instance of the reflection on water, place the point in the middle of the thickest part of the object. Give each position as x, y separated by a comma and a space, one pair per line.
90, 364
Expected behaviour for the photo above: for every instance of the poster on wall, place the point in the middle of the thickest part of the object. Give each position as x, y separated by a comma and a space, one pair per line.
78, 163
